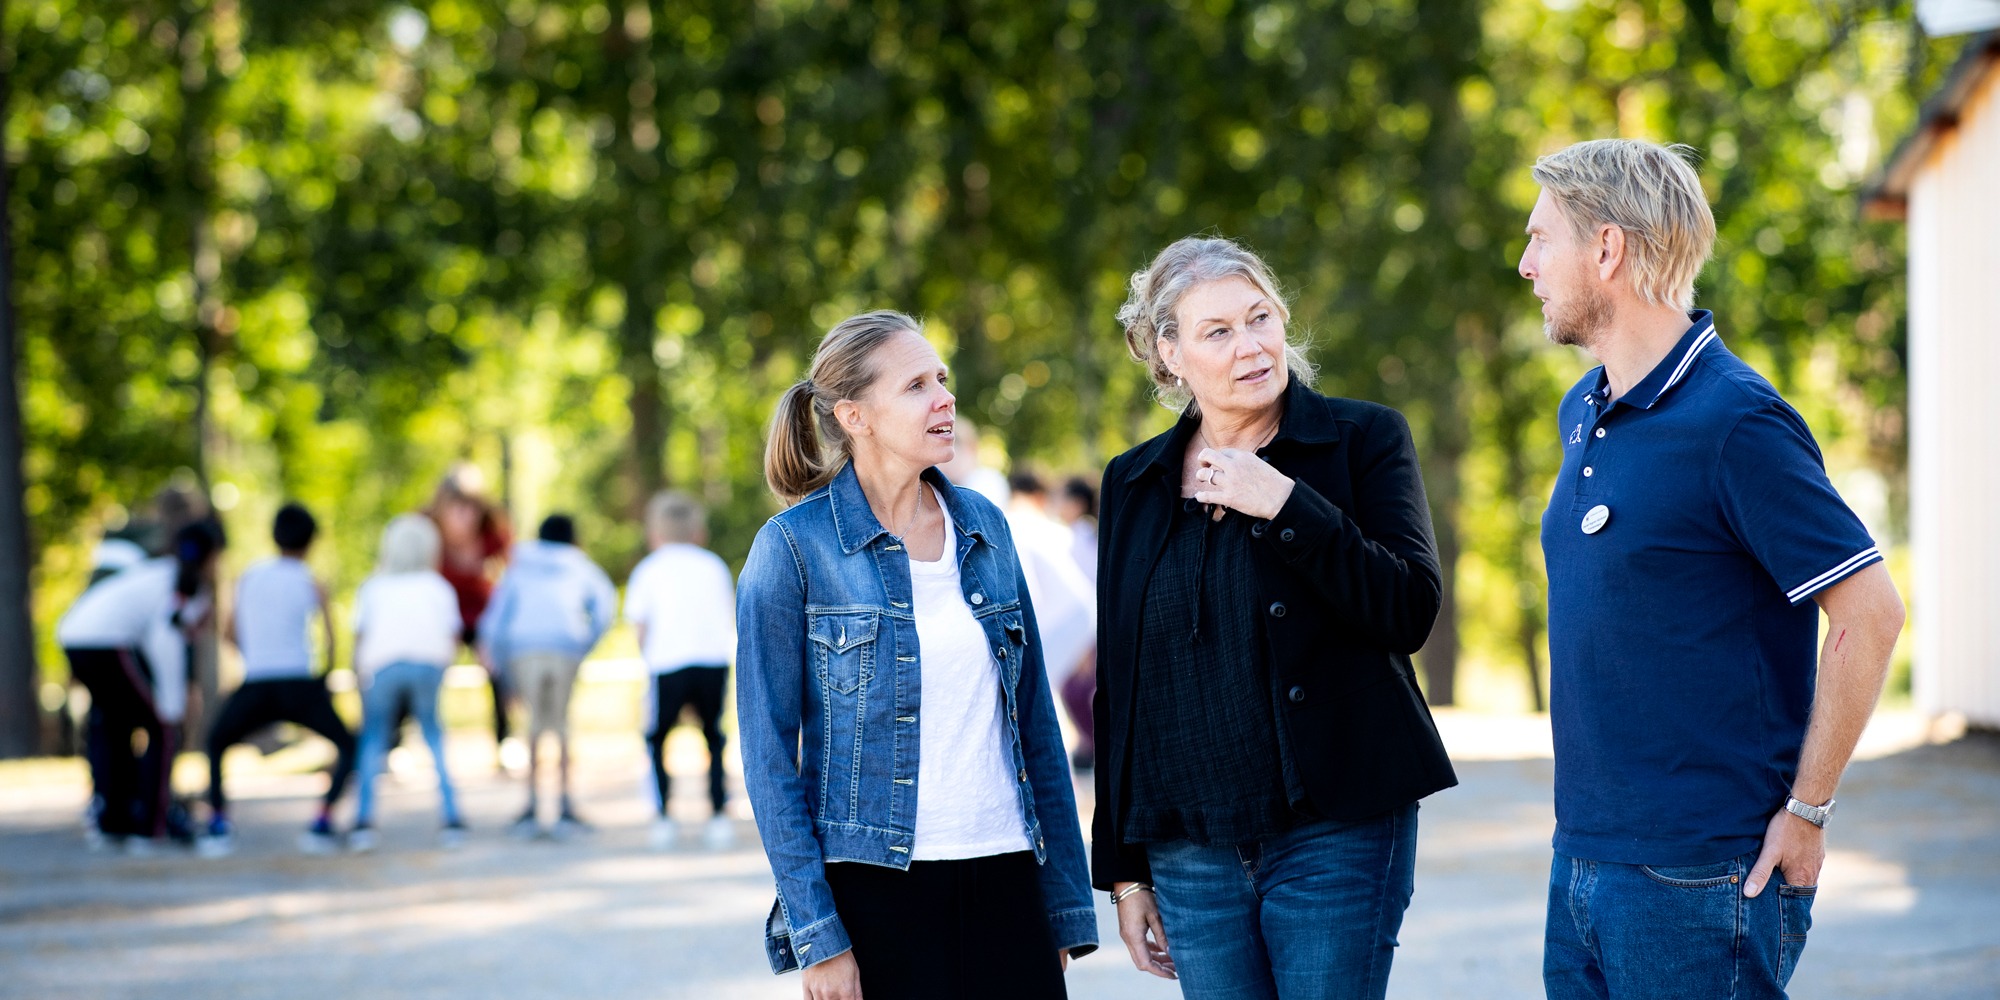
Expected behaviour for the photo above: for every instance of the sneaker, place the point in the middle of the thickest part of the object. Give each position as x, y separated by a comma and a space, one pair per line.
720, 835
91, 814
362, 839
527, 827
180, 824
319, 838
218, 841
665, 833
569, 825
452, 837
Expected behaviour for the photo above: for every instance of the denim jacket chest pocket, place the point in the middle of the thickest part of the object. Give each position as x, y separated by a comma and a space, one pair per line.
1011, 652
844, 648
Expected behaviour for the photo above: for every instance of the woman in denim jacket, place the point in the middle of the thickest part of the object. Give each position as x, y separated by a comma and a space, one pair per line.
899, 740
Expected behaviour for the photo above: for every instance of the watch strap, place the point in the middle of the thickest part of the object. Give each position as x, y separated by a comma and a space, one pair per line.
1816, 815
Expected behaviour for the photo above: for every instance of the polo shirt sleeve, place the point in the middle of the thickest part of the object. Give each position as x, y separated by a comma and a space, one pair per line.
1777, 499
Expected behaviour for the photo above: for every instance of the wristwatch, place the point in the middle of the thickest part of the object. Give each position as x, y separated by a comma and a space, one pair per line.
1816, 815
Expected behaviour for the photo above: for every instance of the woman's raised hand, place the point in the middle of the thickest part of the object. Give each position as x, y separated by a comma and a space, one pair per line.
1240, 481
837, 978
1144, 936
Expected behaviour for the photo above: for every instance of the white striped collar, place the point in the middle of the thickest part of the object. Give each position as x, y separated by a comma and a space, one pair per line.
1703, 333
1669, 372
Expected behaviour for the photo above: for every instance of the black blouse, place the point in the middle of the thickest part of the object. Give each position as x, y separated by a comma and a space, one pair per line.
1205, 762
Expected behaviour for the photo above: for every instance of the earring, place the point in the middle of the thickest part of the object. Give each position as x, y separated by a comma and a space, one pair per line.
1179, 382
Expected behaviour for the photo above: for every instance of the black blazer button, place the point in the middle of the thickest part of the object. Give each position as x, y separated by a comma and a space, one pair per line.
1297, 694
1277, 609
1285, 535
1257, 528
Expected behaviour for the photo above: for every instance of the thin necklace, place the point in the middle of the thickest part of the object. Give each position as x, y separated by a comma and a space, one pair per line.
1268, 438
913, 514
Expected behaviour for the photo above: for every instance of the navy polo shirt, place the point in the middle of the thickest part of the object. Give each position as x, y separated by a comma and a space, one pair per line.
1691, 525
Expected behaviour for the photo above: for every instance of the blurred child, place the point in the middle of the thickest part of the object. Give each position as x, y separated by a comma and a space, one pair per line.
127, 642
681, 601
275, 603
406, 631
113, 556
474, 536
552, 606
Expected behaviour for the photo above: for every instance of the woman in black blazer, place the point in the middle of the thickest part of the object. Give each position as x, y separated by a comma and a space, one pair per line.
1266, 568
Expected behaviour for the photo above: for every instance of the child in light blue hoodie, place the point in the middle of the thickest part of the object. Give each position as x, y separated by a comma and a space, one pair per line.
549, 611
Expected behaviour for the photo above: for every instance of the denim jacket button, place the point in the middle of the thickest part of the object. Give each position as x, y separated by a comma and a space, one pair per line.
1024, 774
1000, 651
979, 599
1277, 609
1297, 694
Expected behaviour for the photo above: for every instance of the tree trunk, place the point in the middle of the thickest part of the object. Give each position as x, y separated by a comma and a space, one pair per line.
200, 89
20, 718
1439, 656
641, 220
1529, 635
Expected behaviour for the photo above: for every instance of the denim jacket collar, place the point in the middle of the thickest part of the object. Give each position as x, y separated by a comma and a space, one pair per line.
856, 525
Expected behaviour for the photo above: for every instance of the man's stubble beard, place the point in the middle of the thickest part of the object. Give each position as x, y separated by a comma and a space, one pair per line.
1582, 322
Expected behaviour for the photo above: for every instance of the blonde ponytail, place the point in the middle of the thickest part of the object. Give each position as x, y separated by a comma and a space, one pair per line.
793, 465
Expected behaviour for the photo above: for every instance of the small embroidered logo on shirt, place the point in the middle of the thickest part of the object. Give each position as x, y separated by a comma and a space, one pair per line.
1576, 436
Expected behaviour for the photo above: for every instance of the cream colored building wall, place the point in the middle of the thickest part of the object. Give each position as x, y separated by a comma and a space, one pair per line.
1954, 244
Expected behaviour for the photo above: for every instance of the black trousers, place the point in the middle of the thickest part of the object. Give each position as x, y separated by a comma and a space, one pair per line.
966, 930
301, 700
121, 691
701, 687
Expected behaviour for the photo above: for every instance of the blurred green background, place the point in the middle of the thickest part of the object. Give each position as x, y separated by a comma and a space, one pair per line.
324, 249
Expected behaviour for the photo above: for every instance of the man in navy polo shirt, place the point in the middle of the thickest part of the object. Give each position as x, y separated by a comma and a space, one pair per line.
1691, 534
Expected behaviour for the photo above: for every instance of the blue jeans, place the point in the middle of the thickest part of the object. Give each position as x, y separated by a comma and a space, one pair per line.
1310, 914
1639, 931
415, 684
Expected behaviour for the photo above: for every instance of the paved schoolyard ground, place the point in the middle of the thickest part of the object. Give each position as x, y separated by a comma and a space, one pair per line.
1910, 904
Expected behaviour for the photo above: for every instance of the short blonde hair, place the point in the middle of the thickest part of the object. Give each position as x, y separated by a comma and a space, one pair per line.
1652, 193
410, 544
1148, 313
675, 517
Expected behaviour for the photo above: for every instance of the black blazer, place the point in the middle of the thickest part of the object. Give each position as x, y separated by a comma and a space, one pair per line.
1348, 581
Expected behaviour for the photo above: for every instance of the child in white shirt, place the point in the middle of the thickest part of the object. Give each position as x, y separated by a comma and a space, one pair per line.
682, 602
406, 629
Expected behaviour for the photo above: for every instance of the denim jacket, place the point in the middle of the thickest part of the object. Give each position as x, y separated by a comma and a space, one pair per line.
830, 696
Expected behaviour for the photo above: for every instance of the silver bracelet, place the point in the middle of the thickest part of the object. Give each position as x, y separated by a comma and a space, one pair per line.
1130, 891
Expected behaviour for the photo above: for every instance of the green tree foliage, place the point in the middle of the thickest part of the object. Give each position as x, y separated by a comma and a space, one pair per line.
323, 250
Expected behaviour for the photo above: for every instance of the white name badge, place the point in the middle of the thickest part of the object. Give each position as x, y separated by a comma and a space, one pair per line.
1593, 522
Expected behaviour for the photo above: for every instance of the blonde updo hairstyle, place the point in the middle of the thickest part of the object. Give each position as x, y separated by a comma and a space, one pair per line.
1148, 314
807, 447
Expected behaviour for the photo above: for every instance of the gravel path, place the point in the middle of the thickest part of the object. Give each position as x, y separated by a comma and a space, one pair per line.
1910, 905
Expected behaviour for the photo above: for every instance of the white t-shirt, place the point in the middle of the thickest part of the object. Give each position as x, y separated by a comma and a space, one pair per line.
134, 609
116, 612
685, 598
1065, 600
405, 617
275, 603
968, 803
